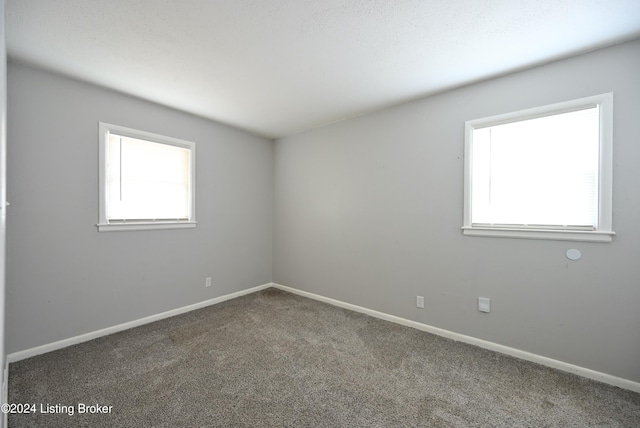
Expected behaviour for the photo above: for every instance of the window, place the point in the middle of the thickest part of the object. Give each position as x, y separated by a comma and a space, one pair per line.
147, 181
543, 173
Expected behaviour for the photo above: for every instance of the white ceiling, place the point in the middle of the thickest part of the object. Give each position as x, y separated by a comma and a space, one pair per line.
277, 67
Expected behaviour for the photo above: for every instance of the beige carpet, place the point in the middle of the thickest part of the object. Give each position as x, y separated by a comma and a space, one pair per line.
277, 359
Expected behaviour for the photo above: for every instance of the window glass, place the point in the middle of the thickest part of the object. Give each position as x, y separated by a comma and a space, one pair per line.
543, 173
146, 180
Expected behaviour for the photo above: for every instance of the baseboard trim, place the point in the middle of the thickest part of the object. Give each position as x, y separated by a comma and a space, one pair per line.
523, 355
28, 353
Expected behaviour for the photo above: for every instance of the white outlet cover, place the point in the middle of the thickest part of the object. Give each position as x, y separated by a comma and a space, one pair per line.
574, 254
484, 304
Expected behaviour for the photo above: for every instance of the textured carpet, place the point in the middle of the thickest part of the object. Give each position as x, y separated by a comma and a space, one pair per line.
277, 359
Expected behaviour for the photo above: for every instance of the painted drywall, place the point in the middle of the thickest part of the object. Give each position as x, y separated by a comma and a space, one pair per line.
369, 211
64, 278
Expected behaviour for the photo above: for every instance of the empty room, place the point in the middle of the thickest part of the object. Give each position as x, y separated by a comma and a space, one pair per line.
302, 213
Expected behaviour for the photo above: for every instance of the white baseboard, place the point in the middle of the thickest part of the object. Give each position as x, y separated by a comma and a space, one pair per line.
21, 355
523, 355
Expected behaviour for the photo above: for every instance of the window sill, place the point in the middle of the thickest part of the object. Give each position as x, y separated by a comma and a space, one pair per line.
549, 234
145, 226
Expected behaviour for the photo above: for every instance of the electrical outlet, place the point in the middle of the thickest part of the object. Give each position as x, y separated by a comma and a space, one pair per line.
484, 304
420, 302
207, 281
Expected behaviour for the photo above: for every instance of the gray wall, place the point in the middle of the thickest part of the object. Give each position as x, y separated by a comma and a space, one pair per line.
368, 211
64, 278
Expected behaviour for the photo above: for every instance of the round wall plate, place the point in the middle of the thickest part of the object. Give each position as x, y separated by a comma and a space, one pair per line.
574, 254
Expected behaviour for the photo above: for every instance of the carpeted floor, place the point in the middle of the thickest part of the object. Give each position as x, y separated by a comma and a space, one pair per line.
277, 359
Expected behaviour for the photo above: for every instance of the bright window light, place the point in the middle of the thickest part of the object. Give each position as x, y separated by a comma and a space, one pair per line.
147, 180
541, 171
546, 169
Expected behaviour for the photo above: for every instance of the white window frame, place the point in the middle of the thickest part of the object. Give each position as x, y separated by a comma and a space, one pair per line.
603, 232
103, 223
